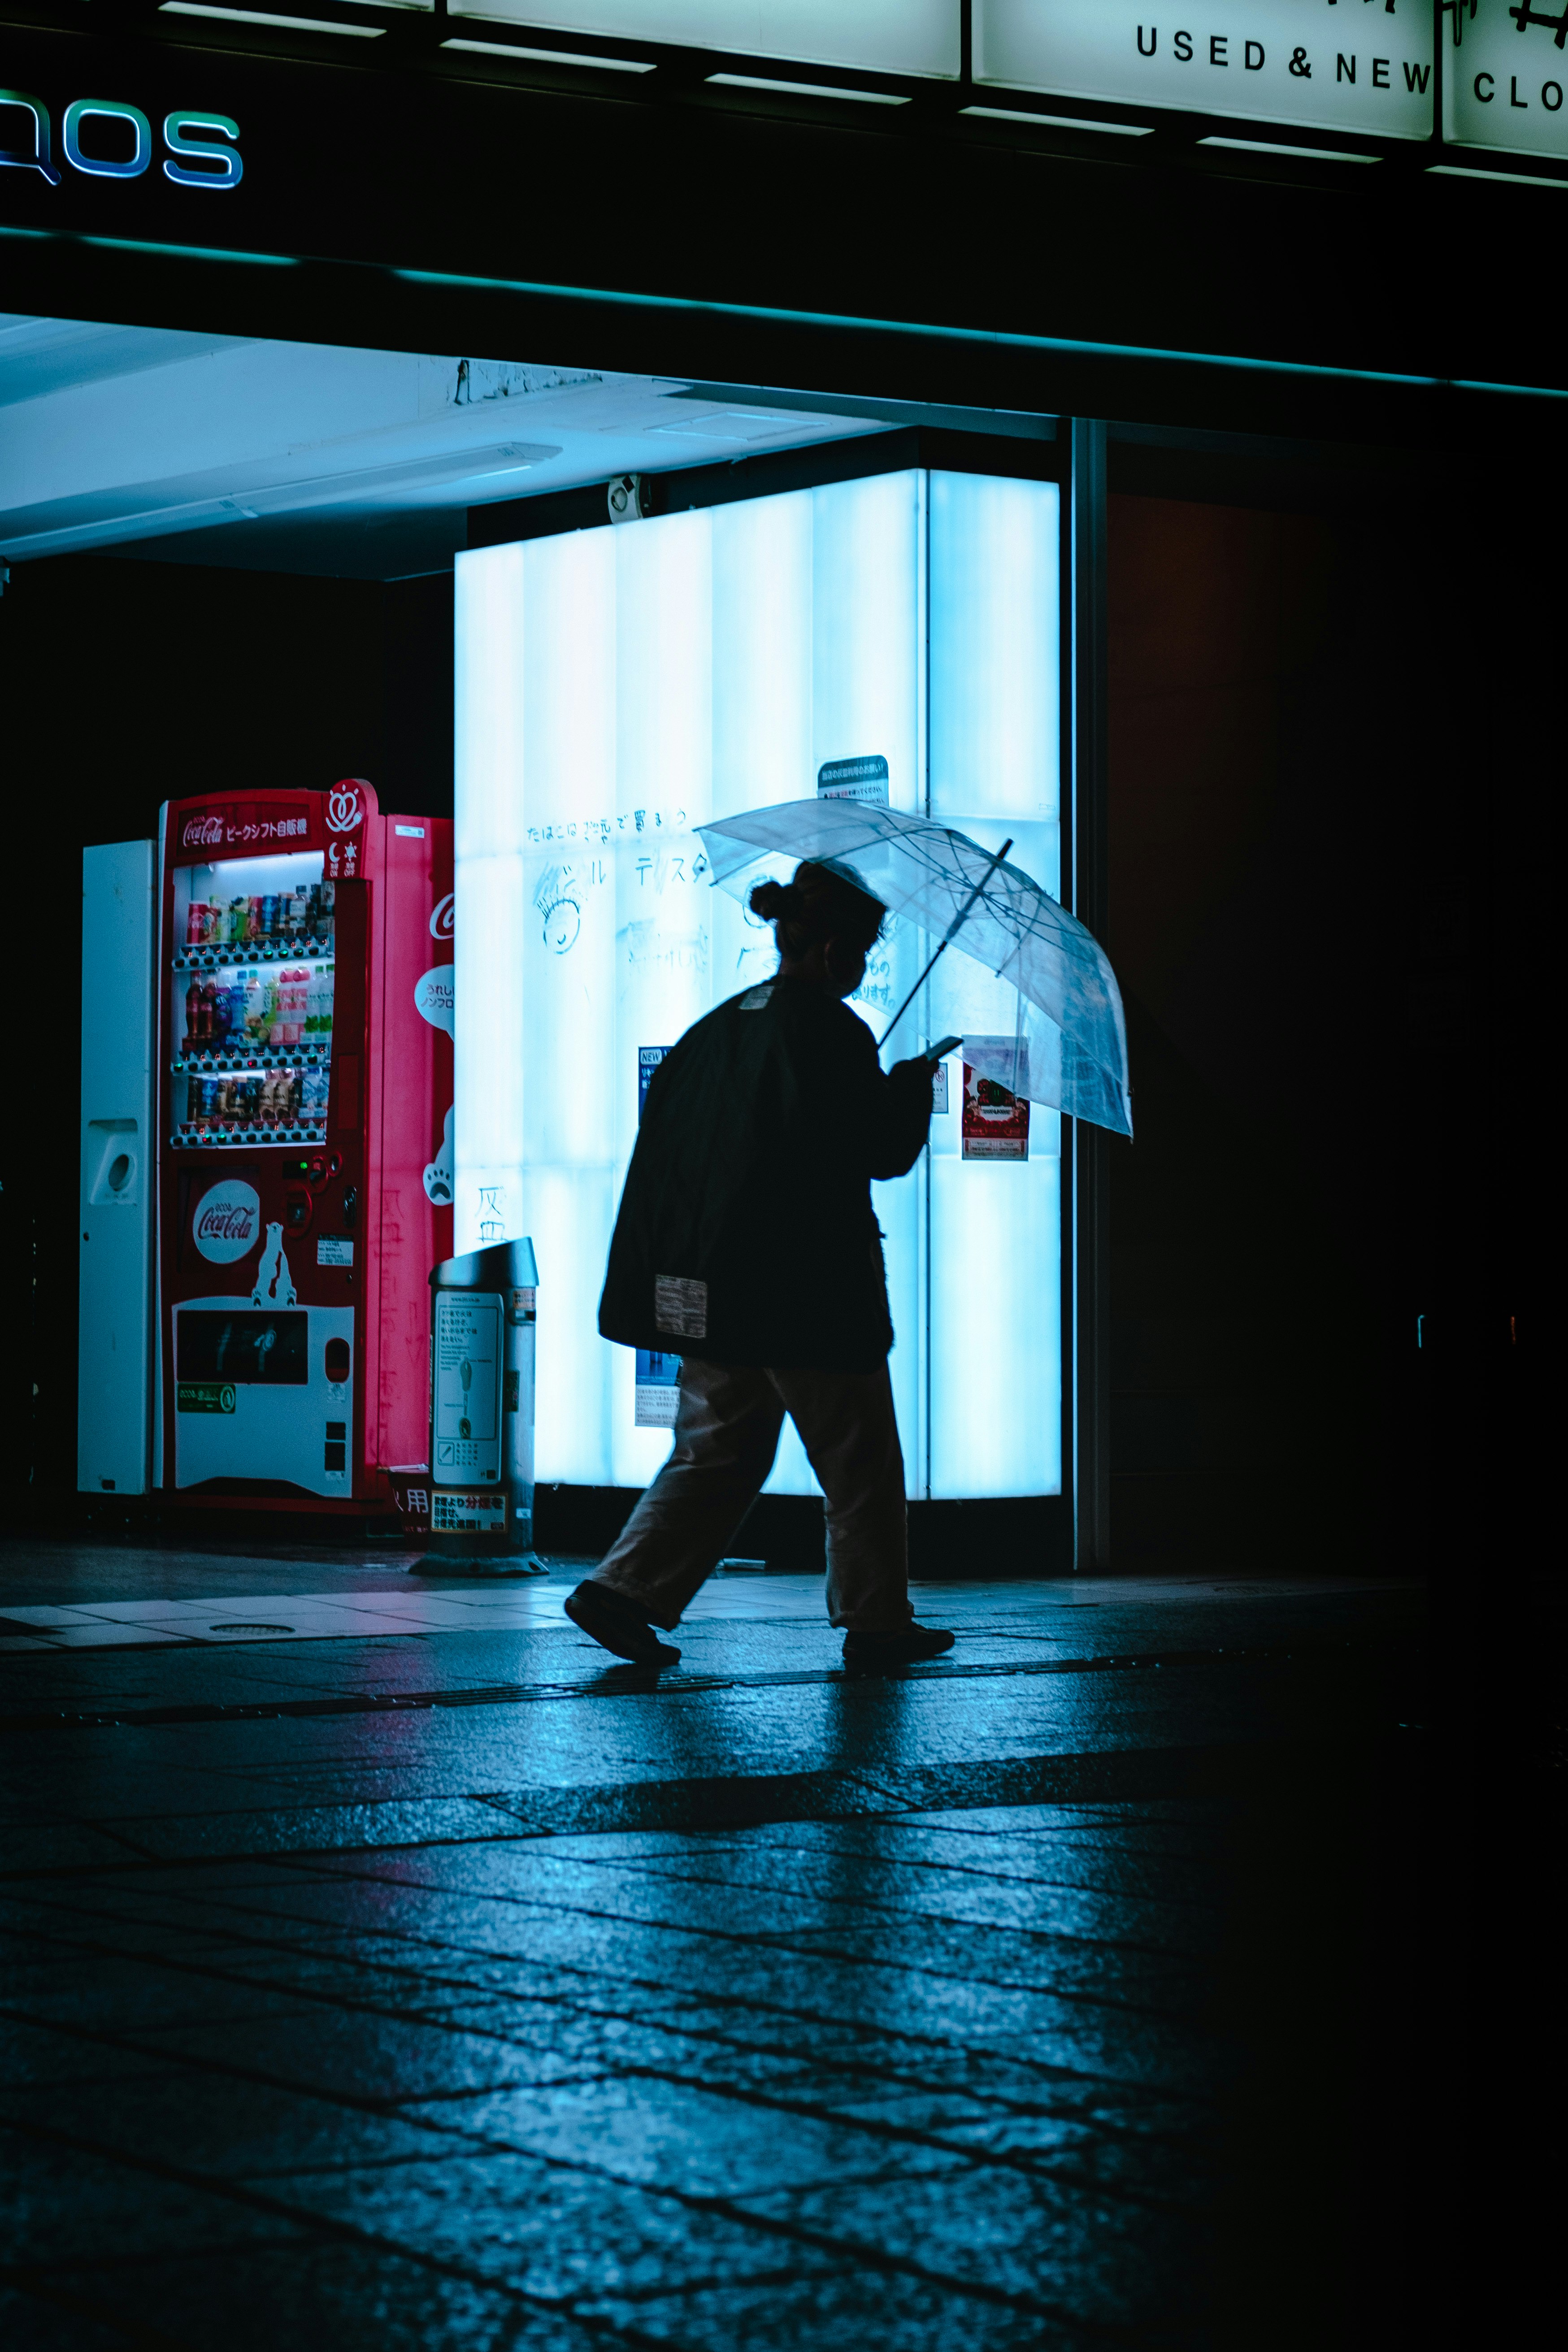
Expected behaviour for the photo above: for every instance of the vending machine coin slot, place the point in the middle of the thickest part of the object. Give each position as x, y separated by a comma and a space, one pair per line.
299, 1205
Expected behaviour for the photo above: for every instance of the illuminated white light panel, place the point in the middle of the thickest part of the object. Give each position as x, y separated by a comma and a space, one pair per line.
1365, 70
263, 16
905, 37
614, 690
552, 57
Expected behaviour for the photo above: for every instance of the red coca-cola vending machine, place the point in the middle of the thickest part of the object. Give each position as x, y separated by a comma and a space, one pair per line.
305, 1145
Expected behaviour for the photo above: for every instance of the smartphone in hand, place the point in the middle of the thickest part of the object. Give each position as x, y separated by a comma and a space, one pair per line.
940, 1050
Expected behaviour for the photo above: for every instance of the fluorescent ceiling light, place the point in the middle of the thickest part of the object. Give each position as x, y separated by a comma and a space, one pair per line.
550, 57
732, 424
263, 16
359, 486
809, 90
1274, 147
1514, 179
1060, 121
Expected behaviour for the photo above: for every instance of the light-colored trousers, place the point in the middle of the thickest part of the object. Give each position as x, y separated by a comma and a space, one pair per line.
726, 1434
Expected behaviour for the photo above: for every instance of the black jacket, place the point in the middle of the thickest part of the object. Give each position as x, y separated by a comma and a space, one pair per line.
745, 1232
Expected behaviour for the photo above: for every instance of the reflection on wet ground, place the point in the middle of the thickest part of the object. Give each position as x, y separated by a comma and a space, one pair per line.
382, 1966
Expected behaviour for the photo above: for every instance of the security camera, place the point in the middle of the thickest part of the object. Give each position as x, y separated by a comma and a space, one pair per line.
630, 497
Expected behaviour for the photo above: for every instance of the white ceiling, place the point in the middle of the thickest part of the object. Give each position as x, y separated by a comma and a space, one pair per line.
307, 457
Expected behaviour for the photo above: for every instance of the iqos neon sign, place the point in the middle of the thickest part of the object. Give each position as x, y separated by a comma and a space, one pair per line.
203, 152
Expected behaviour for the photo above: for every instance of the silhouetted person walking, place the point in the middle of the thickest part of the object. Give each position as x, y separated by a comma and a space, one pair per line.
746, 1243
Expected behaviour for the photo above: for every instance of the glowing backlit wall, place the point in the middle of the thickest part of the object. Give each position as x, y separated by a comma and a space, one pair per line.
615, 688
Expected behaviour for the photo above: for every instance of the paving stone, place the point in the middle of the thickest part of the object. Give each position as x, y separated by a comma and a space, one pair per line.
844, 2310
194, 2121
32, 2052
1107, 2263
351, 2054
950, 1889
354, 2298
683, 2138
131, 1997
65, 2202
311, 1828
549, 2231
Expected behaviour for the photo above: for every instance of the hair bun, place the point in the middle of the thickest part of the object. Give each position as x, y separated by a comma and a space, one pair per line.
818, 903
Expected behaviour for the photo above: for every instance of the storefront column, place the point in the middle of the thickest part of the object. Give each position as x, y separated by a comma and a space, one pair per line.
1084, 874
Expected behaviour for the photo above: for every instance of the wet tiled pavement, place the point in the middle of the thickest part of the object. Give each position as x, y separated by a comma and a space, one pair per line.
411, 1977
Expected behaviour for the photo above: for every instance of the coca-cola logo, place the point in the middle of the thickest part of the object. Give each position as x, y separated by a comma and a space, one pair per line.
202, 831
228, 1222
344, 808
444, 920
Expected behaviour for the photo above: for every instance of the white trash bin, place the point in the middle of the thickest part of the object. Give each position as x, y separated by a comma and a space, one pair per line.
482, 1309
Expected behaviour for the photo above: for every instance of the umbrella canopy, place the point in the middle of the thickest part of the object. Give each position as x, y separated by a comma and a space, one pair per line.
1072, 1036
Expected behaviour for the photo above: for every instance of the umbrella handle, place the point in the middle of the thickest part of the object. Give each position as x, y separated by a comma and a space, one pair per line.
953, 928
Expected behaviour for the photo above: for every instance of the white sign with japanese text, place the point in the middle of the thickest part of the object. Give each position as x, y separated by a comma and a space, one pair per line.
467, 1368
1336, 65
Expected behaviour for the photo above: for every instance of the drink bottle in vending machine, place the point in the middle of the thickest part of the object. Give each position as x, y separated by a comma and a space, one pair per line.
303, 1052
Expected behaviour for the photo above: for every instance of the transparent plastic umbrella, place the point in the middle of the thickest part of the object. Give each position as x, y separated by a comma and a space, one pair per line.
1071, 1051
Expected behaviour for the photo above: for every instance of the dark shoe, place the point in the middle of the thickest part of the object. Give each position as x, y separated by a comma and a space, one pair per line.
616, 1625
897, 1649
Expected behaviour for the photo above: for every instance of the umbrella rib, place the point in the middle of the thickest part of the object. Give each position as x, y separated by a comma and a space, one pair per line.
953, 928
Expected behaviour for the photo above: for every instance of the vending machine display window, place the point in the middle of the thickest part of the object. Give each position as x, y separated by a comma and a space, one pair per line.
251, 1006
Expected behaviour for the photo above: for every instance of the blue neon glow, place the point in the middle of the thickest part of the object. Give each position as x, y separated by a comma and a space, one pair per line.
109, 109
37, 157
214, 166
